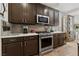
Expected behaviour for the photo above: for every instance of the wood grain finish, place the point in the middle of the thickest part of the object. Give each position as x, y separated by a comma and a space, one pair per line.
23, 46
13, 49
42, 10
56, 17
15, 11
19, 14
58, 39
31, 46
51, 17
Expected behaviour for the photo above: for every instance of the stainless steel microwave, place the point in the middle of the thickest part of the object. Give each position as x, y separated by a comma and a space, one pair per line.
41, 19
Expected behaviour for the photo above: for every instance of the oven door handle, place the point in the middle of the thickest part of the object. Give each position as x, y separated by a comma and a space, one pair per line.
46, 37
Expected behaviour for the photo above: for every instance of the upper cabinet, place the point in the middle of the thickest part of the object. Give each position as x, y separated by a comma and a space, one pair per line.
42, 10
25, 13
29, 13
22, 13
15, 11
56, 17
51, 16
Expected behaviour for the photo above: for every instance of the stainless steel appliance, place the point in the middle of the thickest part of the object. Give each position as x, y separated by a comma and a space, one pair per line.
45, 42
41, 19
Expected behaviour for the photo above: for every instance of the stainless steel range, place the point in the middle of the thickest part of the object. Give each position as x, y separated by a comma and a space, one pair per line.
45, 42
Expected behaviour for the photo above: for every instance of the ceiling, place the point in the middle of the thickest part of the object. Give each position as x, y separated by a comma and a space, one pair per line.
70, 8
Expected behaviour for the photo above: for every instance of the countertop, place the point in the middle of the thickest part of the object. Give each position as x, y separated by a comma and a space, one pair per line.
58, 32
28, 34
18, 35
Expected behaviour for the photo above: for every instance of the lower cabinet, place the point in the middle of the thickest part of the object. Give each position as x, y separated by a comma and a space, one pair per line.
25, 46
31, 46
58, 39
12, 49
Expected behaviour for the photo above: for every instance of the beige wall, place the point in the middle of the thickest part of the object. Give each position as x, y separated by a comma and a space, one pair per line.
76, 20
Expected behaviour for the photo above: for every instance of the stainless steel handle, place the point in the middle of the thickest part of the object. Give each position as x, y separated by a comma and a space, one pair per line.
47, 37
21, 44
25, 43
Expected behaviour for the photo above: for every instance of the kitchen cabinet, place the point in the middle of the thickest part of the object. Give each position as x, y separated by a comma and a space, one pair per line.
58, 39
26, 13
42, 10
51, 17
12, 47
20, 46
30, 13
31, 45
15, 13
22, 13
56, 17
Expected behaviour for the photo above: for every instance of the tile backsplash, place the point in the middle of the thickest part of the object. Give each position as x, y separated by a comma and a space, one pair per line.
18, 28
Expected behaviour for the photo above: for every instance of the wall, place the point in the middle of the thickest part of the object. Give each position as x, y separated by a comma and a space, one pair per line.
5, 18
76, 20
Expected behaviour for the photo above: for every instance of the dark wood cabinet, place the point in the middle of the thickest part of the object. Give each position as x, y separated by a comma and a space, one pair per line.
12, 47
26, 13
56, 17
20, 13
42, 10
29, 13
15, 13
58, 39
51, 17
23, 46
31, 45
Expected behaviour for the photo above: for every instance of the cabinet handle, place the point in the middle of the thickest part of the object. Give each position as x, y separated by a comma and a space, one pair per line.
25, 43
21, 44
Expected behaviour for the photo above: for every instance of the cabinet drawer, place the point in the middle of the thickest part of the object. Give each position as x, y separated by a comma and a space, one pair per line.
11, 40
31, 37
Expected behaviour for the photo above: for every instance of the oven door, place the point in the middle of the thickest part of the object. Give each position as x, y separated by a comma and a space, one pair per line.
46, 43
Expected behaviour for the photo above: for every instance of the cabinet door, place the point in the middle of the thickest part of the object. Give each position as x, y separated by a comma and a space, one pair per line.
31, 46
55, 41
30, 13
61, 38
56, 19
13, 49
42, 10
15, 11
51, 16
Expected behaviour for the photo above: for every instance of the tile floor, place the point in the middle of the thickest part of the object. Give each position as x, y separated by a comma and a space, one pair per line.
69, 49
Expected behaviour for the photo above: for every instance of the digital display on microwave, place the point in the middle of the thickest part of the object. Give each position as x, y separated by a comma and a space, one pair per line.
42, 19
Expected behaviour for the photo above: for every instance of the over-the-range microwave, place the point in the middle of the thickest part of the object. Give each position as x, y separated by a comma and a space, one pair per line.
41, 19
